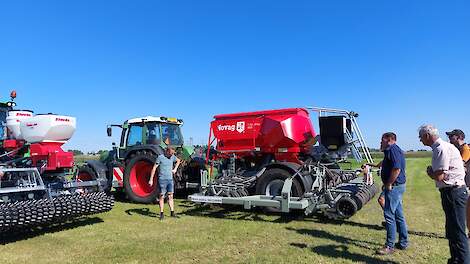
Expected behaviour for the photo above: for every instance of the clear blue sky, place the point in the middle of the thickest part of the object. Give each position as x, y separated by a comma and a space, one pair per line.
398, 63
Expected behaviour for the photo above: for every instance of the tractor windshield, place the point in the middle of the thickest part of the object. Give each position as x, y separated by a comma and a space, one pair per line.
153, 133
171, 134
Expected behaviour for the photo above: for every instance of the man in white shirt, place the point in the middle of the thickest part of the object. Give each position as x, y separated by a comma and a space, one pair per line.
449, 175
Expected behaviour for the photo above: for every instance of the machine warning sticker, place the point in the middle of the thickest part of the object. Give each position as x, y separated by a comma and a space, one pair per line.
205, 199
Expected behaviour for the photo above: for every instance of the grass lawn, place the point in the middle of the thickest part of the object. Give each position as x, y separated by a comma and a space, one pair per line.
131, 233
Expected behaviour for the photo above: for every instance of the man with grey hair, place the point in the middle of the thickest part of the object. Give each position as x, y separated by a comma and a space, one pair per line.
448, 172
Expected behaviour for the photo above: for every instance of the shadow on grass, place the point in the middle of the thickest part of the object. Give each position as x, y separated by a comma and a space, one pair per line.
337, 238
122, 197
141, 211
378, 227
233, 213
339, 251
18, 235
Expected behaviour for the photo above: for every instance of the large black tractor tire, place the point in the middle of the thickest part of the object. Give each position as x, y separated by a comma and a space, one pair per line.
136, 177
270, 183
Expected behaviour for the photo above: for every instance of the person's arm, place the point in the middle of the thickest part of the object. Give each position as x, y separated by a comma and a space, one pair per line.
154, 169
441, 159
396, 159
178, 162
378, 165
393, 177
436, 175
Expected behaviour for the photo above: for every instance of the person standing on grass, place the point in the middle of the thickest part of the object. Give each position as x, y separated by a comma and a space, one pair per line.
456, 138
448, 172
165, 178
393, 179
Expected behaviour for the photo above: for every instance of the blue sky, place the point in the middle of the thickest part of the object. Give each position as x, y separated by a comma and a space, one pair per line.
399, 64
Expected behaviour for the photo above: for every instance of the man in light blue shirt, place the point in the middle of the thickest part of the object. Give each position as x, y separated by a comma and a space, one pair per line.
165, 178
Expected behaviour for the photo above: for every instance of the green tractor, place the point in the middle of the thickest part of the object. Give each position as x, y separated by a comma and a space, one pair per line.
127, 167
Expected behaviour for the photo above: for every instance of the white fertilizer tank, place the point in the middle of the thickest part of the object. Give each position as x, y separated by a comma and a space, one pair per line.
47, 128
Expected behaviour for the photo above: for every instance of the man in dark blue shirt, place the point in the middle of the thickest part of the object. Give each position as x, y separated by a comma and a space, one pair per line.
393, 179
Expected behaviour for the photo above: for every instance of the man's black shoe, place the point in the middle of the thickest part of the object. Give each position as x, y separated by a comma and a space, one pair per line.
400, 247
162, 216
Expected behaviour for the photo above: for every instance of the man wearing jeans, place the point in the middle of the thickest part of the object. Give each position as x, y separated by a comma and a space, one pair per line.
449, 175
165, 178
393, 179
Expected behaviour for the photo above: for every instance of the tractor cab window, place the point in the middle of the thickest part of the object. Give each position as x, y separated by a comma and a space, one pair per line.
171, 134
134, 136
153, 133
3, 123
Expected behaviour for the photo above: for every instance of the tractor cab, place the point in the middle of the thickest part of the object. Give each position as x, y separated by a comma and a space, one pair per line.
5, 107
150, 131
129, 165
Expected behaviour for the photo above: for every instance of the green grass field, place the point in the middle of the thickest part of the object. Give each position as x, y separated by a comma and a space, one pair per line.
131, 233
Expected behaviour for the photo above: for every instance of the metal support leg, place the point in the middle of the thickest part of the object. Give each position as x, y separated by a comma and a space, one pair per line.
285, 195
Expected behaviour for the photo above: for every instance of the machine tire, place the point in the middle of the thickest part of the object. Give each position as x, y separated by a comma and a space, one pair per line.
86, 173
136, 175
271, 175
346, 207
277, 174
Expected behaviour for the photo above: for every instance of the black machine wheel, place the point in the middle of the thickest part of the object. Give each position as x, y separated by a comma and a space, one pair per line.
86, 173
136, 177
272, 180
346, 207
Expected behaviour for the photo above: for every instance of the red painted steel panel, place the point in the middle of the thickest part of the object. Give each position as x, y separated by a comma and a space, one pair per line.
272, 131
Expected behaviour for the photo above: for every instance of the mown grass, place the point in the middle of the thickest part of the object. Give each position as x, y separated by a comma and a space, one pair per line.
131, 233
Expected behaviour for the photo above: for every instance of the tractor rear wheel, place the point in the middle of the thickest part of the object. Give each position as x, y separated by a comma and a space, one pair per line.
136, 179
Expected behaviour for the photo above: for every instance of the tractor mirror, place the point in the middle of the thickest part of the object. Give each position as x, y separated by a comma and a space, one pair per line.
109, 131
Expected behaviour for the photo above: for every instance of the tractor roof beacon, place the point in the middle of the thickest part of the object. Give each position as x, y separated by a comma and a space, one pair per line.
38, 180
274, 159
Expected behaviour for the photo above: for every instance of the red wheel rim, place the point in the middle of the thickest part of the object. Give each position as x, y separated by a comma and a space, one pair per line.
139, 178
84, 176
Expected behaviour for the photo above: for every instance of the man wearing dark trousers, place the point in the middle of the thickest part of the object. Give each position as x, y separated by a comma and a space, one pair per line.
448, 172
457, 138
394, 179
